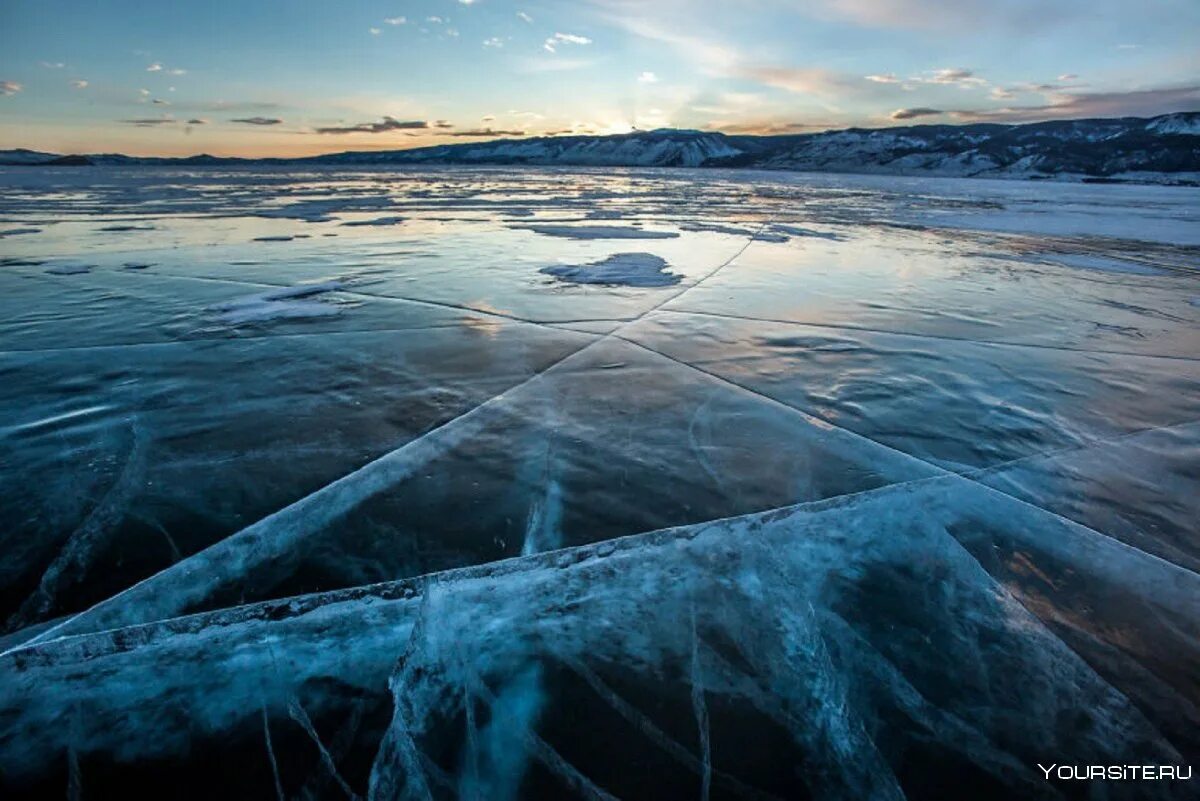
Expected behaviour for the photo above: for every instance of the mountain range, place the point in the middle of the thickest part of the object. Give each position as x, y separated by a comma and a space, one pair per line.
1163, 149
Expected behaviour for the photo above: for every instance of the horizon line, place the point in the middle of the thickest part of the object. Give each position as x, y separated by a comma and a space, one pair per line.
501, 136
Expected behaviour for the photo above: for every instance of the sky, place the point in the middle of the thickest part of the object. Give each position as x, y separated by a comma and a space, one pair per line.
300, 77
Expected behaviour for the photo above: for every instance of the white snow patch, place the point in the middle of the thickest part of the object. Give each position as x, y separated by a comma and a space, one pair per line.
286, 303
626, 269
380, 221
596, 232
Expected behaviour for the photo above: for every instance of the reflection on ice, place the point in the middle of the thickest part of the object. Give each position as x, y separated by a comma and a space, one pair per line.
426, 484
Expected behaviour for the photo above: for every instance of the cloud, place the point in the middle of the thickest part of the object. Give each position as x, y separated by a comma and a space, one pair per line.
395, 20
435, 20
258, 120
913, 113
483, 132
488, 118
494, 41
803, 80
1068, 76
9, 87
647, 77
197, 121
955, 75
969, 15
160, 102
557, 39
374, 31
177, 71
769, 127
155, 67
884, 78
387, 124
53, 65
150, 122
443, 124
79, 84
521, 15
1074, 105
144, 92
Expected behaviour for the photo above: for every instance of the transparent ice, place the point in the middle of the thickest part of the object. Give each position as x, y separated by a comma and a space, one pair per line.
433, 484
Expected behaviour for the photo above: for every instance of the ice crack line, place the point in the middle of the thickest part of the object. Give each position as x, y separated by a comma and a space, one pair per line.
971, 476
274, 539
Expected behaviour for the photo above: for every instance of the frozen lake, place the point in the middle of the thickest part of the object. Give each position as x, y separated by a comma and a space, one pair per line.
559, 483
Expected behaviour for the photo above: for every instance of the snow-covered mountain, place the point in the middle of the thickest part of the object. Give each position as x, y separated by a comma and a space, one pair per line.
663, 148
1160, 149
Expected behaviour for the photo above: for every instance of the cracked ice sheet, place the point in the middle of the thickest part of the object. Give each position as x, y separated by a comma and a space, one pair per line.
612, 441
843, 649
474, 264
39, 311
120, 462
1143, 489
961, 405
930, 284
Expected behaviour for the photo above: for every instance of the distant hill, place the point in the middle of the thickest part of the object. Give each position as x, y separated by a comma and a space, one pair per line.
1163, 149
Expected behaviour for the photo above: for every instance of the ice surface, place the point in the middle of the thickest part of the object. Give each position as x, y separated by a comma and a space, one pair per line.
862, 626
404, 483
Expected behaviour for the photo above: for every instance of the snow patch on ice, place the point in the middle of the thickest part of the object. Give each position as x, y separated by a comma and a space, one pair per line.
379, 221
286, 303
597, 232
625, 269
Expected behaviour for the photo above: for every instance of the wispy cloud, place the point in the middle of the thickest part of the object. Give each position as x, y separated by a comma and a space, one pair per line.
521, 15
155, 67
802, 80
374, 31
554, 42
150, 122
258, 120
954, 75
197, 121
79, 84
10, 87
647, 77
913, 113
494, 41
53, 65
395, 20
387, 124
884, 78
485, 132
1073, 105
